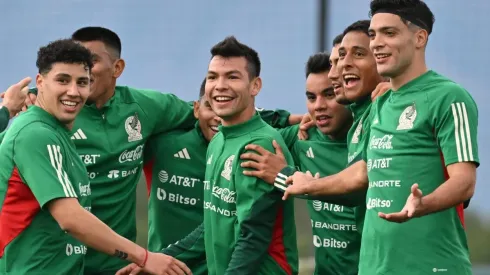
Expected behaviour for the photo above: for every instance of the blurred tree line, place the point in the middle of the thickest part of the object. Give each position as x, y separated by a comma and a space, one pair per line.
478, 230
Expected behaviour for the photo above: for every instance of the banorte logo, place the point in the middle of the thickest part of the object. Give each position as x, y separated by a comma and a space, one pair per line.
131, 155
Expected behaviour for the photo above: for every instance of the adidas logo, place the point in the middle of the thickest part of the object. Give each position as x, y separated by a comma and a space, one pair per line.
79, 135
182, 154
309, 153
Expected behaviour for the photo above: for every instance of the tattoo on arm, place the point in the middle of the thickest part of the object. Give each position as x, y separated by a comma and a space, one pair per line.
121, 254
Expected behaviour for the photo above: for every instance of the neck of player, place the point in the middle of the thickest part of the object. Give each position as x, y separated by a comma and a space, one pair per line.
105, 97
416, 69
242, 117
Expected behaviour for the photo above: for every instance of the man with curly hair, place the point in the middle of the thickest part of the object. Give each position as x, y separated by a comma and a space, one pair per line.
44, 188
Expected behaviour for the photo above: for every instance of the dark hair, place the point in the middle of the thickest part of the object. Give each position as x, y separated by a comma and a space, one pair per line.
110, 39
63, 51
337, 40
413, 11
358, 26
230, 47
318, 63
202, 90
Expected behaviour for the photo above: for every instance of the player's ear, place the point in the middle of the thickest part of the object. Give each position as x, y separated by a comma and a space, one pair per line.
421, 37
39, 81
256, 86
119, 66
196, 109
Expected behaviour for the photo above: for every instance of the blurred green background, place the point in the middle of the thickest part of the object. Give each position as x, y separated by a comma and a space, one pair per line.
478, 233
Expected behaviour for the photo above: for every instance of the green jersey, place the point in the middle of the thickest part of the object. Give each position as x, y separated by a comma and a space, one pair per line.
335, 235
357, 138
4, 118
175, 165
247, 227
110, 142
416, 132
39, 164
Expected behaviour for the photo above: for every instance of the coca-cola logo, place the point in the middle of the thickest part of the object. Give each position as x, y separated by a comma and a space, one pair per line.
381, 143
131, 155
224, 194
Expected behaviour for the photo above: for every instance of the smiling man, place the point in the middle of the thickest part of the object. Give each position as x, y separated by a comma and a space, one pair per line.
247, 229
45, 217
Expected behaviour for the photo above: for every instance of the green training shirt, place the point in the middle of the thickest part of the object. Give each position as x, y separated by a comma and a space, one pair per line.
39, 164
175, 165
247, 227
416, 132
357, 138
334, 229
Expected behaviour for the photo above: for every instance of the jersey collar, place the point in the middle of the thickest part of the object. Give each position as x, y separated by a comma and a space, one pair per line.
358, 108
247, 127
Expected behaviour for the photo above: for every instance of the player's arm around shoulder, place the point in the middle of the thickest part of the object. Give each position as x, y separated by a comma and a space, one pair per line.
165, 111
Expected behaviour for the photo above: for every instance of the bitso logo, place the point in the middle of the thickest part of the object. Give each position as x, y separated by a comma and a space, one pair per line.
405, 122
133, 128
161, 194
75, 249
330, 242
378, 203
163, 176
317, 205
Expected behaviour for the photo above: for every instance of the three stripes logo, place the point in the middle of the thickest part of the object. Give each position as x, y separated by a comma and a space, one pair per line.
79, 134
182, 154
309, 153
462, 134
56, 159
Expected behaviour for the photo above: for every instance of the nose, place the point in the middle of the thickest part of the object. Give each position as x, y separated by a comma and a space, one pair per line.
375, 43
217, 119
73, 89
221, 84
334, 73
320, 103
346, 62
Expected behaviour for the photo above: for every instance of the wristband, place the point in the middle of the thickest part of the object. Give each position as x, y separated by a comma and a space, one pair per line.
146, 259
282, 176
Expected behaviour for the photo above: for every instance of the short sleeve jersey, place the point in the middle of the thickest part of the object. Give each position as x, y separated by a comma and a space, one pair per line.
39, 164
335, 237
417, 131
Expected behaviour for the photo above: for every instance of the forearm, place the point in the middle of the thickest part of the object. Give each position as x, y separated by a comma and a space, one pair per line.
451, 193
295, 119
88, 229
352, 179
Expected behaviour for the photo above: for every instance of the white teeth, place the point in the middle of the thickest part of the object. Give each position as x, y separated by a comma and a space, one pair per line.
322, 117
215, 128
381, 55
223, 98
350, 76
69, 103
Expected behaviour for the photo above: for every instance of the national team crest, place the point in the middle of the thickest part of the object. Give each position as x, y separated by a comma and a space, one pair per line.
228, 167
133, 128
357, 132
405, 122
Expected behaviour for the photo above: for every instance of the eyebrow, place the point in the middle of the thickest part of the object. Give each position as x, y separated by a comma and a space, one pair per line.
227, 73
383, 29
326, 90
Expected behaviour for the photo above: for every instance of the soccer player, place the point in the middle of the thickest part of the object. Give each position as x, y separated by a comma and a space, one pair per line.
422, 145
13, 101
335, 235
110, 134
44, 186
247, 229
175, 165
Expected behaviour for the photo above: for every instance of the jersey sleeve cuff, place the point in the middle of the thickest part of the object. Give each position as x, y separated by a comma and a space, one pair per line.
282, 176
6, 112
